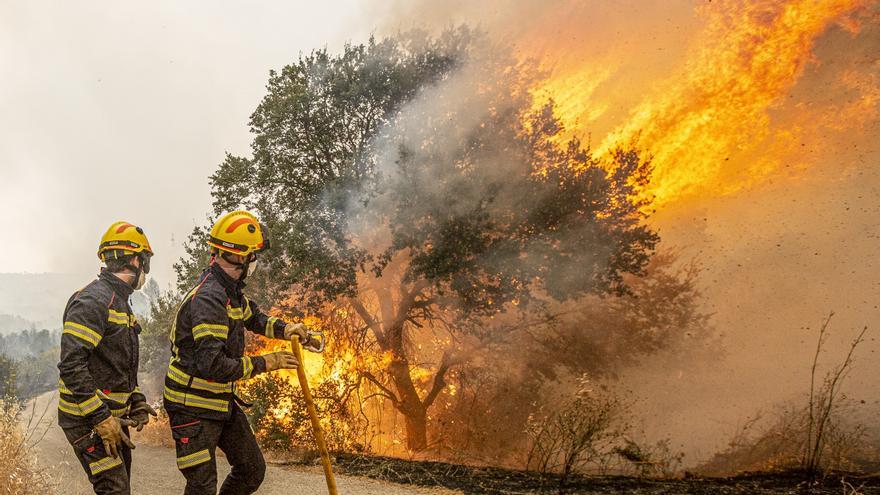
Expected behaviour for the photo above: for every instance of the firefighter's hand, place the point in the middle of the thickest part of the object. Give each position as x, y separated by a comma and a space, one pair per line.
110, 431
140, 413
297, 330
280, 360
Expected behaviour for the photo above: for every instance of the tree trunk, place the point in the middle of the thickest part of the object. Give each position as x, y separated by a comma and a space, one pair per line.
411, 406
416, 431
389, 332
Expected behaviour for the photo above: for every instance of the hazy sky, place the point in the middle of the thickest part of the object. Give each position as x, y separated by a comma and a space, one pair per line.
116, 110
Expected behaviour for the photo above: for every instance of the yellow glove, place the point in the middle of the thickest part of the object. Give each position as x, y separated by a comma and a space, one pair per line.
280, 360
297, 330
110, 431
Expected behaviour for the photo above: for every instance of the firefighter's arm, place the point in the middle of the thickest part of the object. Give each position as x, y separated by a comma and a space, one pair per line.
210, 329
84, 324
137, 395
269, 326
258, 322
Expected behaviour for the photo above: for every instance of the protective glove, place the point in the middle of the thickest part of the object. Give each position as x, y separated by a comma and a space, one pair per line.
280, 360
140, 413
110, 431
297, 330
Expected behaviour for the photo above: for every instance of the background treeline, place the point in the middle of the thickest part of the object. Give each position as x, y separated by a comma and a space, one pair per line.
28, 361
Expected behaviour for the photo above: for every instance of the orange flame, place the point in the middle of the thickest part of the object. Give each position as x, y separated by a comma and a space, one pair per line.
711, 128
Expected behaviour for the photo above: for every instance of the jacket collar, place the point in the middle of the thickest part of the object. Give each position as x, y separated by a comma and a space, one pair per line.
233, 287
120, 287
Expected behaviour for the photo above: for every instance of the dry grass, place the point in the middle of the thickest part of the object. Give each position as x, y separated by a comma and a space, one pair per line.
18, 472
817, 437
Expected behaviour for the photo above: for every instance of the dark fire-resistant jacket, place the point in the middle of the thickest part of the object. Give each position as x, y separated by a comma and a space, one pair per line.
207, 346
99, 354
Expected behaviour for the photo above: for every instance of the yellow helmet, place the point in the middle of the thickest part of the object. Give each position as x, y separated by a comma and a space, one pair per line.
126, 237
239, 232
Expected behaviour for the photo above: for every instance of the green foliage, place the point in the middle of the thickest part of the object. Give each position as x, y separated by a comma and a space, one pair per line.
312, 152
418, 176
489, 236
38, 373
28, 362
331, 153
29, 342
8, 378
190, 266
155, 348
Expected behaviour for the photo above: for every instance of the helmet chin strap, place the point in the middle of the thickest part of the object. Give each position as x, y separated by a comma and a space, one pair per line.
137, 272
227, 257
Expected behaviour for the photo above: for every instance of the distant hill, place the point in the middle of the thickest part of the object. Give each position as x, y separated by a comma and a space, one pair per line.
36, 300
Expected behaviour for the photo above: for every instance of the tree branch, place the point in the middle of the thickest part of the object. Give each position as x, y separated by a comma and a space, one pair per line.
408, 302
378, 394
447, 362
369, 376
369, 320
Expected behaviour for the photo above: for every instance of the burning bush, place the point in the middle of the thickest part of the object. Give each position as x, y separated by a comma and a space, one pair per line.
157, 432
281, 421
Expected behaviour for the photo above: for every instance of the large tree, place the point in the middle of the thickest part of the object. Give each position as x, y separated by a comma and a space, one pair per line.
414, 184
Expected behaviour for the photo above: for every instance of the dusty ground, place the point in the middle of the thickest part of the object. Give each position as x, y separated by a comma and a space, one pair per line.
155, 472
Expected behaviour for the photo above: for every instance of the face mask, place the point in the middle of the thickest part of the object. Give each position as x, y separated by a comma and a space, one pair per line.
247, 268
141, 271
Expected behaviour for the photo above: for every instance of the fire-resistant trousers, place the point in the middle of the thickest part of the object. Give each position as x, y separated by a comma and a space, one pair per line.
108, 475
197, 440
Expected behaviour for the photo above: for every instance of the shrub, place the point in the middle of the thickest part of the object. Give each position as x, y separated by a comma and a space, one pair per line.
585, 430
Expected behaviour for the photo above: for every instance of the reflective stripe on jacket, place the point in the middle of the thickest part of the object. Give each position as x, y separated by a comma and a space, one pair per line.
99, 354
207, 346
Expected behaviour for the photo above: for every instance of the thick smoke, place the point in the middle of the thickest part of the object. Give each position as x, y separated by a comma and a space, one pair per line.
777, 255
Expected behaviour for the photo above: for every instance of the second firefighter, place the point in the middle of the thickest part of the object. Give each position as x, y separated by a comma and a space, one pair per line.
207, 346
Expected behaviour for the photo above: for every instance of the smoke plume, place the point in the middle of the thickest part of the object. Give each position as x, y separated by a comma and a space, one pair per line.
762, 118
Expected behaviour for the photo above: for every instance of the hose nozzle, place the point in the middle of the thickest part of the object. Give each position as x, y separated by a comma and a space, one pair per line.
314, 342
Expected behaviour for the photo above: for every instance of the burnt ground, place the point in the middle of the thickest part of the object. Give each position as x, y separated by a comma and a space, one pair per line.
478, 480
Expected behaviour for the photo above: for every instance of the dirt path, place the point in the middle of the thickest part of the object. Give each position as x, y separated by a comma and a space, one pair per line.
155, 472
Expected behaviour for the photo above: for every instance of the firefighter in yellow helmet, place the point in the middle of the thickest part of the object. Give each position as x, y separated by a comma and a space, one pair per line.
98, 389
207, 346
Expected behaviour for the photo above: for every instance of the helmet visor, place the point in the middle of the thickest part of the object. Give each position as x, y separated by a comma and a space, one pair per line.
145, 261
266, 242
